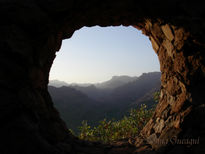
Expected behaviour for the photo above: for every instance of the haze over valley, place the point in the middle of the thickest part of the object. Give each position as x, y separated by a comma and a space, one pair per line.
109, 99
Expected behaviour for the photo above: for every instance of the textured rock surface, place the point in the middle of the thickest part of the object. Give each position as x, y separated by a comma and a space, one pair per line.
32, 31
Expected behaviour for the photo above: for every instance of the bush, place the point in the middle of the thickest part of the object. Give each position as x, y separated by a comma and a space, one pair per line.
109, 131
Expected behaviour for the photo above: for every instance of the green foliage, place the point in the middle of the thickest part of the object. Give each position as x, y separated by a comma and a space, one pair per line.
110, 130
156, 96
71, 131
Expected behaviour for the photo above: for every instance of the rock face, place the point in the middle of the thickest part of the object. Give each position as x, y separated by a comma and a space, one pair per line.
32, 31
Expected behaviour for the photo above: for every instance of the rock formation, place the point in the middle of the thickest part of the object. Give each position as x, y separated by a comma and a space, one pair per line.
32, 32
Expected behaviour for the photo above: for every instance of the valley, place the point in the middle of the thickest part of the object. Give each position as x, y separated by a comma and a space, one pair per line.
111, 99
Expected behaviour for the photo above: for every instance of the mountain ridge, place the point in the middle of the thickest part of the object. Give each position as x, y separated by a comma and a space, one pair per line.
90, 103
123, 79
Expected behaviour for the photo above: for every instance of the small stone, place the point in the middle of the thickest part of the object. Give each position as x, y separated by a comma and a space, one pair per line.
159, 126
179, 34
148, 25
168, 32
154, 44
138, 141
177, 122
152, 139
169, 47
181, 99
157, 120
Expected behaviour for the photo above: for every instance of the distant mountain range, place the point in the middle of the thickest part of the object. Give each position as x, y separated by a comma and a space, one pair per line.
73, 105
114, 82
57, 83
110, 99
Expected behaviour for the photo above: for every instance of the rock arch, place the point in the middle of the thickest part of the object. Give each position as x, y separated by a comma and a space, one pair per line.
32, 31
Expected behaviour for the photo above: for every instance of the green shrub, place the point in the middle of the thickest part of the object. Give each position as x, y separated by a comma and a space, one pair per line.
110, 130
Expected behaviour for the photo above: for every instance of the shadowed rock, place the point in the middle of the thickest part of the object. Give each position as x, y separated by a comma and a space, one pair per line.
31, 33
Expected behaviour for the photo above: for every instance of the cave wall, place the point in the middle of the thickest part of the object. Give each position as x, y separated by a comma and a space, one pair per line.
180, 111
31, 33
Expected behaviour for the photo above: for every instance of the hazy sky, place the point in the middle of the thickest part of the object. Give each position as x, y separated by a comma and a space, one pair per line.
95, 54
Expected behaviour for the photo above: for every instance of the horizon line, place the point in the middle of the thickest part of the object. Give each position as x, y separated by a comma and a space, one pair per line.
102, 81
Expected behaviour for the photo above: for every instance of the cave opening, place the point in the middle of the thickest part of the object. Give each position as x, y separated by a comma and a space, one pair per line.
32, 32
103, 73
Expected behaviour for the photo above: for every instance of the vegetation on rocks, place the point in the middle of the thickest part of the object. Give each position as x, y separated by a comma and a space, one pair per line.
111, 130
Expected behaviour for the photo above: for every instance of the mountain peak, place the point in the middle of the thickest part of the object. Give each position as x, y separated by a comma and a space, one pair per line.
120, 76
57, 83
115, 81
